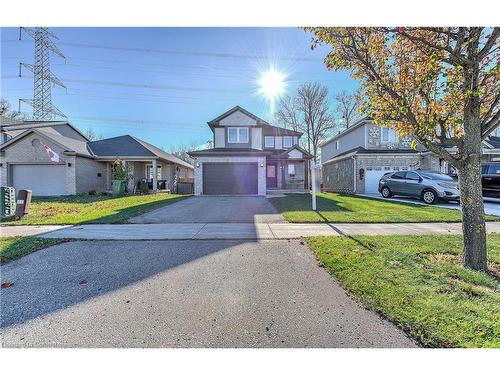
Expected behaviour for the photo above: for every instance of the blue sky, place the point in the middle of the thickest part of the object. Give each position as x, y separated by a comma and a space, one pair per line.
163, 84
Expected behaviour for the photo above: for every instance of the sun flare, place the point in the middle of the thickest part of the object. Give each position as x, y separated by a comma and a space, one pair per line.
272, 84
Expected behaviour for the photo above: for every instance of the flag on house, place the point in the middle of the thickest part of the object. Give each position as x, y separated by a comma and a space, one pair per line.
53, 156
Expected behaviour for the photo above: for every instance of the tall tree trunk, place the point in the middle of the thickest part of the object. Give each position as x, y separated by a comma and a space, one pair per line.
474, 227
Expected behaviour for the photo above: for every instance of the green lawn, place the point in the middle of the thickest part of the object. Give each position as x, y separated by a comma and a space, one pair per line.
339, 208
419, 283
16, 247
84, 209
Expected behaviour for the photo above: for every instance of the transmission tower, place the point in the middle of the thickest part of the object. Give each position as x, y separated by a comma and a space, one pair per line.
43, 78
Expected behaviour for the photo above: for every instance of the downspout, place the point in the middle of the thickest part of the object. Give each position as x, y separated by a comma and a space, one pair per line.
355, 175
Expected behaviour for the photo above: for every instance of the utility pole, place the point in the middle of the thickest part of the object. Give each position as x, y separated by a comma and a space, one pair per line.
43, 78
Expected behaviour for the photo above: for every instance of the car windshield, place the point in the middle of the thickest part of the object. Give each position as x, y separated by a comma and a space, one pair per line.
437, 176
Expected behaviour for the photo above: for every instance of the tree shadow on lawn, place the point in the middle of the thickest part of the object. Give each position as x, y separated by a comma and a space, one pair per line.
118, 216
121, 215
302, 202
64, 275
389, 201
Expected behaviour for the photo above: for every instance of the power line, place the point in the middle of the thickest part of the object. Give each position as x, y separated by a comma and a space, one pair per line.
177, 52
71, 89
146, 86
136, 122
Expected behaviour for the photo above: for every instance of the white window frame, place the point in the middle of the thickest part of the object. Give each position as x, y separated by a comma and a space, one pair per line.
291, 169
266, 137
149, 172
285, 144
238, 135
392, 136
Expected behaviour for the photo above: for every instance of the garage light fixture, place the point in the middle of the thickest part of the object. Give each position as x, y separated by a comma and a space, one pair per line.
262, 164
197, 165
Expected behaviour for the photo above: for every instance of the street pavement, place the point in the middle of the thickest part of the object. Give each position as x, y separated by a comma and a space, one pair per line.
183, 294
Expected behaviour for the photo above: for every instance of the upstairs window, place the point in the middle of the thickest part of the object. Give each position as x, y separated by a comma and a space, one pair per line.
337, 145
388, 135
268, 142
237, 135
287, 141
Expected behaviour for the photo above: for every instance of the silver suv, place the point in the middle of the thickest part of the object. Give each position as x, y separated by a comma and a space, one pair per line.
429, 186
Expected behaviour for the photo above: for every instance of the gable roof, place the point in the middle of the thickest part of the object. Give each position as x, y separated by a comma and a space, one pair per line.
237, 108
129, 146
18, 126
67, 143
306, 154
275, 130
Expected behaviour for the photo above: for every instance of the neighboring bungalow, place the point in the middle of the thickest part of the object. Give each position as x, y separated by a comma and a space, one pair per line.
354, 160
250, 156
84, 166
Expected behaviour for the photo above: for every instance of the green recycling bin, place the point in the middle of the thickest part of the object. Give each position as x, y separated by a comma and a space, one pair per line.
119, 187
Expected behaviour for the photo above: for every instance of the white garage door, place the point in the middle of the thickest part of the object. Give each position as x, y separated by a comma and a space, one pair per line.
373, 175
42, 180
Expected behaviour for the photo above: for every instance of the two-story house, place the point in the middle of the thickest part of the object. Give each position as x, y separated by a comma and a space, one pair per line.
354, 160
250, 156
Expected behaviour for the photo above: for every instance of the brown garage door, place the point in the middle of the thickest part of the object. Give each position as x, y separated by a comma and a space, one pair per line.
230, 178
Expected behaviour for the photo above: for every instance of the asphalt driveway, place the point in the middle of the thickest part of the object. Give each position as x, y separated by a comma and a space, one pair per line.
182, 294
214, 209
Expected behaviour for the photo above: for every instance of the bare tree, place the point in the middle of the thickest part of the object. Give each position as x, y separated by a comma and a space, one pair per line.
310, 111
347, 108
181, 151
92, 135
288, 113
6, 111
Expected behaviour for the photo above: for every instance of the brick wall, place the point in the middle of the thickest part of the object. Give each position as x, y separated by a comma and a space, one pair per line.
86, 174
339, 176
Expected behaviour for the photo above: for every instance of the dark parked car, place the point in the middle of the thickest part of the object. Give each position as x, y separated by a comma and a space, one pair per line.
429, 186
490, 176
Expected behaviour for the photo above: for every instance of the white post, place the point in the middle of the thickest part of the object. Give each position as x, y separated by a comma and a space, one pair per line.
155, 176
313, 185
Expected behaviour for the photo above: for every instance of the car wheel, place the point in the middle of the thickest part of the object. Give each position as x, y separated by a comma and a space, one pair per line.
386, 192
429, 197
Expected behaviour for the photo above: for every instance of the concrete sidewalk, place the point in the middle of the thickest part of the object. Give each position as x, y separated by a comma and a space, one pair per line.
224, 231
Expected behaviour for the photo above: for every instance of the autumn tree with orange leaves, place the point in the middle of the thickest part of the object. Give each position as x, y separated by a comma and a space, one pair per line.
439, 85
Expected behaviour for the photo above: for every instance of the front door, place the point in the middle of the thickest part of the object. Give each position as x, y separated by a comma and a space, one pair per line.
271, 175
